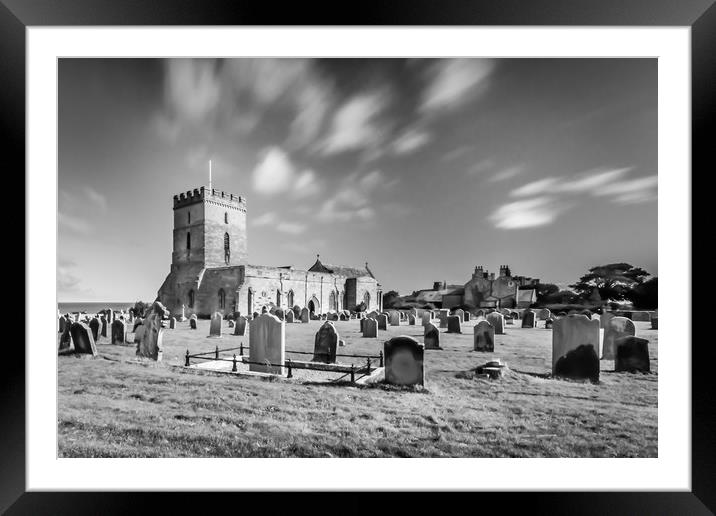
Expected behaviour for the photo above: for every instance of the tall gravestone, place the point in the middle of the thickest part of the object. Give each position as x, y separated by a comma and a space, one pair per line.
370, 328
453, 324
484, 337
431, 336
305, 315
119, 331
172, 323
617, 328
267, 344
82, 339
150, 343
215, 325
95, 326
66, 344
382, 321
575, 348
325, 344
529, 319
240, 327
497, 321
466, 316
544, 314
443, 315
192, 322
404, 357
290, 316
426, 318
106, 330
632, 355
394, 318
411, 319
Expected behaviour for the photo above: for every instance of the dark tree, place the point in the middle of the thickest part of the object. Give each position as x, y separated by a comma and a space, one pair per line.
645, 295
390, 299
613, 281
545, 291
361, 307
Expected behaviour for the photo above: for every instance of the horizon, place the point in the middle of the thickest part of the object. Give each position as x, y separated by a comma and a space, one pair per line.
424, 168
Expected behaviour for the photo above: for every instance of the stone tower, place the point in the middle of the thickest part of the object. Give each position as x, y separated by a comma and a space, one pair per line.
209, 229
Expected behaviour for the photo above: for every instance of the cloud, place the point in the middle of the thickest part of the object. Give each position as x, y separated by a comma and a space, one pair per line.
634, 191
306, 185
410, 141
273, 173
481, 167
539, 211
507, 173
353, 199
67, 280
266, 219
453, 82
536, 187
587, 182
74, 224
291, 228
192, 88
96, 198
355, 125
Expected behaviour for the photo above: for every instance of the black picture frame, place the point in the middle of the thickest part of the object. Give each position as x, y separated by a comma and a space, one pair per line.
700, 15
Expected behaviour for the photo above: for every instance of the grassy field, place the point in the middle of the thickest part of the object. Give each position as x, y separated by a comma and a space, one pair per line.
111, 407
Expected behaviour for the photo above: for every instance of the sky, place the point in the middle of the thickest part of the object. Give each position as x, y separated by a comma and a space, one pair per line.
424, 168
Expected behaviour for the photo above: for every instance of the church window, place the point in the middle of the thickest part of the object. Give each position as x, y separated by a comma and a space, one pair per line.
290, 299
227, 249
188, 217
188, 240
332, 301
191, 299
366, 300
222, 299
226, 217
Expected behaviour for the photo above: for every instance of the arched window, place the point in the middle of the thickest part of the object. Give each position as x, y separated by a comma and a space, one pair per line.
250, 302
222, 299
226, 217
289, 299
188, 217
191, 299
227, 249
366, 300
188, 240
278, 298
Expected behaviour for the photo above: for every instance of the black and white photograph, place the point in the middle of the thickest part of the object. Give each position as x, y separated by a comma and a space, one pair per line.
439, 257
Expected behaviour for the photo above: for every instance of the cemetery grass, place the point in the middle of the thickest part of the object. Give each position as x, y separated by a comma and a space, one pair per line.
113, 406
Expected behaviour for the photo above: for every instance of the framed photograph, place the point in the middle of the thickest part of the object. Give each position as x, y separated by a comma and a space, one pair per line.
457, 219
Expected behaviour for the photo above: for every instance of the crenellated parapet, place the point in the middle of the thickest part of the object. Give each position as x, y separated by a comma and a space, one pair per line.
203, 194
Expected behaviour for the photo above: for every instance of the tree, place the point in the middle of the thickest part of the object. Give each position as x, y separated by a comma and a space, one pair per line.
140, 307
544, 291
361, 307
612, 281
645, 295
390, 298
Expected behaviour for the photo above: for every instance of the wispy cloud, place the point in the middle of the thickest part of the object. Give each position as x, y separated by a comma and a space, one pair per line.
96, 198
353, 199
507, 173
356, 125
587, 182
292, 228
634, 191
67, 279
453, 81
266, 219
306, 185
410, 141
539, 211
73, 224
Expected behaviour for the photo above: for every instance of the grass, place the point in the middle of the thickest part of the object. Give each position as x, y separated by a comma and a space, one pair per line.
111, 407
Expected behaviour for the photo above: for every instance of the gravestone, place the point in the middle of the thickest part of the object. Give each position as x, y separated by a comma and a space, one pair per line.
484, 337
411, 319
394, 318
61, 323
82, 339
325, 344
426, 318
267, 344
544, 314
632, 354
215, 325
382, 321
192, 322
460, 313
443, 315
453, 324
529, 319
617, 328
466, 316
94, 326
280, 313
403, 361
106, 330
509, 321
66, 344
172, 323
119, 331
431, 336
332, 316
654, 323
305, 315
370, 327
150, 343
240, 327
497, 320
575, 348
290, 316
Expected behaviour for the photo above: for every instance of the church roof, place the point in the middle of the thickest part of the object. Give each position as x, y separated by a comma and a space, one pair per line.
342, 270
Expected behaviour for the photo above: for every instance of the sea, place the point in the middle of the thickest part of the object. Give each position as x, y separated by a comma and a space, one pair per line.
93, 307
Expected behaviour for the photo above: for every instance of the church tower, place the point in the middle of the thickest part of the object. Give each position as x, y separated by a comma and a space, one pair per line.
209, 229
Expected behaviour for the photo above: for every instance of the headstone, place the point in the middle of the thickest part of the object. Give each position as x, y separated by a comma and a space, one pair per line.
264, 309
654, 323
632, 354
443, 315
431, 336
453, 324
484, 337
529, 319
575, 348
215, 325
509, 320
172, 323
192, 322
82, 339
497, 320
426, 318
325, 344
369, 328
106, 330
617, 328
466, 316
382, 321
304, 315
66, 344
94, 326
61, 323
411, 319
240, 327
109, 314
395, 318
290, 316
460, 313
150, 343
404, 361
119, 331
267, 344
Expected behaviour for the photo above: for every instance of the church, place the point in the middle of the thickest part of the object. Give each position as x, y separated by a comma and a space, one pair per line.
210, 271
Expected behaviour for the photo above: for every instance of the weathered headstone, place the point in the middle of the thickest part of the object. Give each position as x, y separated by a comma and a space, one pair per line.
325, 344
119, 331
497, 320
94, 326
172, 323
240, 327
369, 327
426, 318
305, 315
632, 354
82, 339
484, 337
394, 318
544, 314
150, 343
382, 321
529, 319
66, 344
215, 325
617, 328
106, 330
453, 324
404, 361
460, 313
431, 336
466, 316
411, 319
575, 348
267, 344
61, 323
290, 316
192, 322
443, 315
